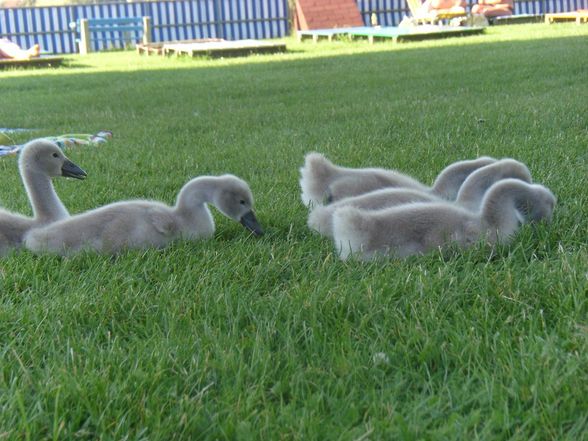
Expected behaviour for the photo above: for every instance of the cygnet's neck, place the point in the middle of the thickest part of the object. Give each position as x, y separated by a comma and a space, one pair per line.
451, 178
46, 205
499, 209
194, 195
472, 191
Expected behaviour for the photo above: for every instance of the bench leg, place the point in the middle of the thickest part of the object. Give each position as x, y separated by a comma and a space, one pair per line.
146, 30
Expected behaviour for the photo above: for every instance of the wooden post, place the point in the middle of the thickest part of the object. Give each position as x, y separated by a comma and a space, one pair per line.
85, 46
146, 30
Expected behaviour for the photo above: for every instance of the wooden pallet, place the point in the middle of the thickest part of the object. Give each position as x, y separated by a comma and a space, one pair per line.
42, 61
516, 19
157, 48
317, 34
223, 48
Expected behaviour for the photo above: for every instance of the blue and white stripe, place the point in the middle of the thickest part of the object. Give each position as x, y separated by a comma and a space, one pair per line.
170, 20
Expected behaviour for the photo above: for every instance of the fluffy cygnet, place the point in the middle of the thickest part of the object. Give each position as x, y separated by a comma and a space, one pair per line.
322, 181
142, 224
422, 227
470, 194
39, 161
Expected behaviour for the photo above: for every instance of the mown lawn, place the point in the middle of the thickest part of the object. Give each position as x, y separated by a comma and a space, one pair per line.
274, 338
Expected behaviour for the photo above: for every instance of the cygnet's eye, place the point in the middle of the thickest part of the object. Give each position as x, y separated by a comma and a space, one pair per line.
55, 155
242, 202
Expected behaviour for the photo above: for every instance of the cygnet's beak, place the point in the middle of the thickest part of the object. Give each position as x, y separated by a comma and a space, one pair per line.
249, 221
71, 170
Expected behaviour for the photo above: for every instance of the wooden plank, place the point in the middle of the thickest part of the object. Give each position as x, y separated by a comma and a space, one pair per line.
223, 48
157, 48
578, 17
422, 32
516, 19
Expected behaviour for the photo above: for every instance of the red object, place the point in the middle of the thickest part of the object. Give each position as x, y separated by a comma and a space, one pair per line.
327, 14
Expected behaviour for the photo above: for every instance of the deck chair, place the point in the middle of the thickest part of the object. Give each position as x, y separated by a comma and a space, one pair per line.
418, 15
433, 16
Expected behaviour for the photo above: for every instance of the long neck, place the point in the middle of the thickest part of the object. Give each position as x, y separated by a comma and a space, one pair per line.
451, 178
472, 191
44, 201
448, 182
499, 211
191, 209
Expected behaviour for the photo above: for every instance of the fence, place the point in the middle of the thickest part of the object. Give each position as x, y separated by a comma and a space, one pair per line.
189, 19
170, 20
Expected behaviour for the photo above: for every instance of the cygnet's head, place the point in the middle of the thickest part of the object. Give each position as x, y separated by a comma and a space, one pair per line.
45, 157
234, 200
539, 206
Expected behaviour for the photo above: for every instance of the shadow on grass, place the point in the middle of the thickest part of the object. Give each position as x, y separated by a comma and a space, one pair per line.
482, 52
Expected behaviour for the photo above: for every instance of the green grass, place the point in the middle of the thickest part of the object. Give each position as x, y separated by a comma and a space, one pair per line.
274, 338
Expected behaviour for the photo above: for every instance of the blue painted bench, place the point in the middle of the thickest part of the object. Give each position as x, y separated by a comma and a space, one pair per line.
111, 29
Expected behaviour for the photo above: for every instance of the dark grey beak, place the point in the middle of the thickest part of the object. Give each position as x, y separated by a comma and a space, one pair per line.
249, 221
70, 170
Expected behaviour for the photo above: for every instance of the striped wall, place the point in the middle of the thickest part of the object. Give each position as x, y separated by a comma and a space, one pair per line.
189, 19
171, 20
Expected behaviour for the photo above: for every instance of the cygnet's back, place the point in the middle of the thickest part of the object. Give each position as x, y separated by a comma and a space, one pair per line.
320, 218
109, 229
321, 181
402, 231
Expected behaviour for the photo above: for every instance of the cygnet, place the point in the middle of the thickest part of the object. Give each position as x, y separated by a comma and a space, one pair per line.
422, 227
138, 224
39, 161
323, 182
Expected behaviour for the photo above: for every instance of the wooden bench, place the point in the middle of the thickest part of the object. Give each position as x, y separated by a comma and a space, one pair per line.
120, 26
579, 17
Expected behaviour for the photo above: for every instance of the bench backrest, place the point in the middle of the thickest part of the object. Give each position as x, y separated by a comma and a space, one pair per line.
125, 24
110, 29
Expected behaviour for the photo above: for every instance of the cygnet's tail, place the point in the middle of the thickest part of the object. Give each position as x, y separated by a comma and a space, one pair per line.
351, 232
315, 178
36, 240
